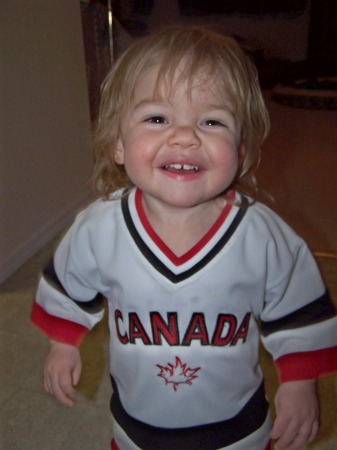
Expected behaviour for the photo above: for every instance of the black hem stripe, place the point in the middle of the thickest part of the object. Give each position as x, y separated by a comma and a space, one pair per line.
92, 306
204, 437
315, 312
158, 265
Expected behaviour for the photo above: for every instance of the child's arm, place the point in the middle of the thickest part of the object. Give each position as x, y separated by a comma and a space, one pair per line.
297, 414
62, 370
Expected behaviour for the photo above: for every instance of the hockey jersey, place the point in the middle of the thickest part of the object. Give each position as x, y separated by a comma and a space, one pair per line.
185, 330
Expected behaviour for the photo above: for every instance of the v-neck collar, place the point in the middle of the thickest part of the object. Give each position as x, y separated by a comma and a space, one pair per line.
179, 260
175, 268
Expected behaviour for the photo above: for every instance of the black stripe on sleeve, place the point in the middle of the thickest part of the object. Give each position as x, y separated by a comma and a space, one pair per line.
92, 306
315, 312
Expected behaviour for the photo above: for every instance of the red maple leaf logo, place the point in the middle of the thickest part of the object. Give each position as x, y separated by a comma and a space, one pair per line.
178, 374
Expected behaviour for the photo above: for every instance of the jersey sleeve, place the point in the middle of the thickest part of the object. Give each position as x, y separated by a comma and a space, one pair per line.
298, 322
68, 303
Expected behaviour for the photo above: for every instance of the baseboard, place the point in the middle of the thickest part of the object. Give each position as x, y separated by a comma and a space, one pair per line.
41, 238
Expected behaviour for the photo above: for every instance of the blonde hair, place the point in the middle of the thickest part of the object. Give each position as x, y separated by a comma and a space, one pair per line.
219, 59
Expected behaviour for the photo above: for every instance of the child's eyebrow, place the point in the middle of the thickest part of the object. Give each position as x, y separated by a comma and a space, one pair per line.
221, 106
162, 102
149, 101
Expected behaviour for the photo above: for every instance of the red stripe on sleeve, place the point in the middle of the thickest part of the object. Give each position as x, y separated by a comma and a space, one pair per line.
57, 329
307, 365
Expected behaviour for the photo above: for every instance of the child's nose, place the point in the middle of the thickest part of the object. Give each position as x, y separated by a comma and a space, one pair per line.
184, 137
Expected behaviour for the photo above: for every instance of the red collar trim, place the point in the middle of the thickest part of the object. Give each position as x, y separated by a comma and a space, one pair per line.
178, 261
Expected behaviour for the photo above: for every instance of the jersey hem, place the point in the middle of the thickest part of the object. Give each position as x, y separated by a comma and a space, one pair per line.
211, 436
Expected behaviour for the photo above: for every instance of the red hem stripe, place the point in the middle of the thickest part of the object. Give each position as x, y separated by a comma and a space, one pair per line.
178, 261
58, 329
307, 365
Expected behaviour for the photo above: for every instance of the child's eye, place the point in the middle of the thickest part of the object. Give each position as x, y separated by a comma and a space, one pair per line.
212, 123
156, 119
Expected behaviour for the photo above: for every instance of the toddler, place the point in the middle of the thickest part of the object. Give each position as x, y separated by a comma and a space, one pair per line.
193, 269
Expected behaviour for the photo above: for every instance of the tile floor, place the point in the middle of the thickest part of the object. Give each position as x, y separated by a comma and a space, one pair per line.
298, 168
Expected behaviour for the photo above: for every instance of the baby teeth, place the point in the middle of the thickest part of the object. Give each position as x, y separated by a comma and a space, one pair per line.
182, 166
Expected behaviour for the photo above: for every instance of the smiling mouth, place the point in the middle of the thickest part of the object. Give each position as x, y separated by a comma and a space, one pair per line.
182, 168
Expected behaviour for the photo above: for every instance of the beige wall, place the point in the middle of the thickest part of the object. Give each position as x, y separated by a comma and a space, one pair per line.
45, 156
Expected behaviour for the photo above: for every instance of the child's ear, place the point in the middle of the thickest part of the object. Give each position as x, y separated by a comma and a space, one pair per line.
118, 151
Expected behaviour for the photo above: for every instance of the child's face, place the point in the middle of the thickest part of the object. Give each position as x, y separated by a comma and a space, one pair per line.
181, 151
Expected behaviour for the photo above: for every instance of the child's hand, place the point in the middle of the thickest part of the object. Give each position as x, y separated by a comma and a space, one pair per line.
62, 370
297, 414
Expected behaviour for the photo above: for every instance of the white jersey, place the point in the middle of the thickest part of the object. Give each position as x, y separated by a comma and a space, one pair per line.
185, 330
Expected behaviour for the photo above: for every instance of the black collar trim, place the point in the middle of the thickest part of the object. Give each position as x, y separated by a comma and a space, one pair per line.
158, 265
